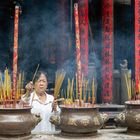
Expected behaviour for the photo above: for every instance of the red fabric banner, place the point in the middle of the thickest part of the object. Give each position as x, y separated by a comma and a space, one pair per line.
107, 50
83, 24
137, 42
15, 50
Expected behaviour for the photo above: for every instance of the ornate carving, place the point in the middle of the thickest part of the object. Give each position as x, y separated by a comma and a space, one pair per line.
72, 121
84, 122
137, 118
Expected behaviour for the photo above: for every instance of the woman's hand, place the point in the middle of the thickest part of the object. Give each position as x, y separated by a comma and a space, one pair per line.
29, 87
54, 105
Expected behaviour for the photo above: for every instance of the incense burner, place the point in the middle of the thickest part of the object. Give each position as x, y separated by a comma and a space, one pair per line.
17, 121
79, 120
130, 118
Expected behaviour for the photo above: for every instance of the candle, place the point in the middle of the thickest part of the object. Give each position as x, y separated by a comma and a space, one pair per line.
15, 51
78, 53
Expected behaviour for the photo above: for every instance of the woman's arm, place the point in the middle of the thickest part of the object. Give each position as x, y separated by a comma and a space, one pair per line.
29, 89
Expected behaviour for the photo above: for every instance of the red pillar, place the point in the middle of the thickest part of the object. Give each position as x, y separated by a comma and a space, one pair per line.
107, 50
83, 24
137, 42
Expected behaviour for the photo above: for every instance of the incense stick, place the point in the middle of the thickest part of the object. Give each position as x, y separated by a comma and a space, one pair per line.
33, 80
35, 72
58, 82
128, 86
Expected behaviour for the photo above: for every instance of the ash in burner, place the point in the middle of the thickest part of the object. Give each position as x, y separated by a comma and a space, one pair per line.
77, 104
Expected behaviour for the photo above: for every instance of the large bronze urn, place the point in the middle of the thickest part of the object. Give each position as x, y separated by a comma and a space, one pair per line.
130, 118
17, 121
79, 120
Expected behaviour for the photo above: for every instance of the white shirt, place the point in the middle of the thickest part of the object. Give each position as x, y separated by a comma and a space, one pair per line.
45, 111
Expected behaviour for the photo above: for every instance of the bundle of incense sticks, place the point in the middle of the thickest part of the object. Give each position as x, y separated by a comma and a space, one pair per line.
70, 88
85, 88
19, 85
128, 85
133, 90
93, 90
6, 86
87, 92
137, 90
60, 75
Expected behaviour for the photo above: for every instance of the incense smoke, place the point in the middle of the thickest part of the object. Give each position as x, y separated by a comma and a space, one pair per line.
41, 39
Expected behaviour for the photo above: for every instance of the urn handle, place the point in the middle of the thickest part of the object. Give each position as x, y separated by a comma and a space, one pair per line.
121, 118
37, 118
105, 117
55, 119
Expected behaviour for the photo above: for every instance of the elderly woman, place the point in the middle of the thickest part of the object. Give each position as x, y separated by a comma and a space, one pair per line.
41, 102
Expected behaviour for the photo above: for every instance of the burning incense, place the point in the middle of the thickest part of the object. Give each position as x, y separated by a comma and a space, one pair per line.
33, 80
70, 87
76, 96
85, 89
22, 80
78, 53
2, 88
128, 85
86, 97
60, 75
133, 88
19, 86
81, 85
6, 89
35, 72
15, 50
93, 91
6, 85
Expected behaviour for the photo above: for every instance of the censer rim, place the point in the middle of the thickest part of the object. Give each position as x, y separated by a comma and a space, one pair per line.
134, 102
19, 108
78, 107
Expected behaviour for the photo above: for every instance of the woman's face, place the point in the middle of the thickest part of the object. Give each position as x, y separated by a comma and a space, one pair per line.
41, 84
